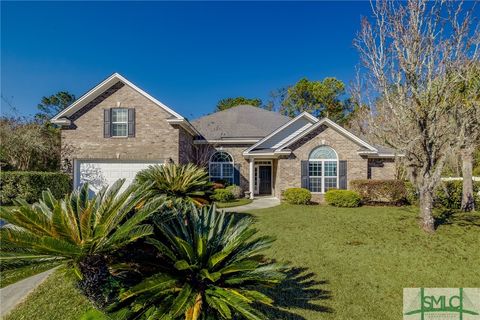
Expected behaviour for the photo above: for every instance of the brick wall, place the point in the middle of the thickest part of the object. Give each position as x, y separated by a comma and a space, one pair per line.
155, 138
381, 169
288, 173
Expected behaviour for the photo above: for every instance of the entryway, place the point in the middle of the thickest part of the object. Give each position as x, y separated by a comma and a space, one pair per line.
263, 177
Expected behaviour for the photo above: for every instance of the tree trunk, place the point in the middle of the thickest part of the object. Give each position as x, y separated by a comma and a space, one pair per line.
468, 203
426, 210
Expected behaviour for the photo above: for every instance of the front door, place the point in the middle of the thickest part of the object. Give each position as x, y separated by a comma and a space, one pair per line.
265, 177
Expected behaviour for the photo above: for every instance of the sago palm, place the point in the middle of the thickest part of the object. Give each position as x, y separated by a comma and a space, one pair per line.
76, 231
178, 181
212, 269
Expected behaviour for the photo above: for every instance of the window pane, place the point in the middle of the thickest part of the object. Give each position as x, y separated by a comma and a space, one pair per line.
315, 185
119, 115
323, 152
221, 157
119, 129
215, 170
314, 169
330, 183
330, 168
227, 170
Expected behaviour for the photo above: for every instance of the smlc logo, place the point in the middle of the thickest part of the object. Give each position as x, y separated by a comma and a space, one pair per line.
441, 303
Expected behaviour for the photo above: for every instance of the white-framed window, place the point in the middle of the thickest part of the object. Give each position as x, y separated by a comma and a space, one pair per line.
322, 169
221, 167
119, 122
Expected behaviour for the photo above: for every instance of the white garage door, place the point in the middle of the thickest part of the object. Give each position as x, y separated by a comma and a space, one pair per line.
100, 173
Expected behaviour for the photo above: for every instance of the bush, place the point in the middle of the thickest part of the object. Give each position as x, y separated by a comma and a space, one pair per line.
297, 196
449, 194
381, 191
236, 191
29, 185
222, 195
412, 194
343, 198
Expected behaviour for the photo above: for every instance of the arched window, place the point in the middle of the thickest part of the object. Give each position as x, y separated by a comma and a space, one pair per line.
323, 169
220, 167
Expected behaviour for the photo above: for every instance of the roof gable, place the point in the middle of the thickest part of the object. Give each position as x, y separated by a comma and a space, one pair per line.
336, 127
62, 117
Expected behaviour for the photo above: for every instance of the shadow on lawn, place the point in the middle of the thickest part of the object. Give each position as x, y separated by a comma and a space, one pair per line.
459, 218
298, 291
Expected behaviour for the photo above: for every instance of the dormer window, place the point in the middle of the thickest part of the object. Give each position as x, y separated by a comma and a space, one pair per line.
119, 122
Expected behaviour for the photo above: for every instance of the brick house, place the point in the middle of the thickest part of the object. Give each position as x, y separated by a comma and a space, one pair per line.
117, 129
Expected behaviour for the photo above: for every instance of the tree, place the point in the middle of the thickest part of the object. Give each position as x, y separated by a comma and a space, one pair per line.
78, 231
212, 268
466, 117
409, 54
320, 98
28, 145
50, 106
228, 103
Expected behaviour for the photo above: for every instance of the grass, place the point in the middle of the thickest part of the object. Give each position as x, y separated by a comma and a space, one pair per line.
55, 299
8, 277
346, 263
354, 263
234, 203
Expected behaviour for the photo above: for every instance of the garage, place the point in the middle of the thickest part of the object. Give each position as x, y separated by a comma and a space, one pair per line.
99, 173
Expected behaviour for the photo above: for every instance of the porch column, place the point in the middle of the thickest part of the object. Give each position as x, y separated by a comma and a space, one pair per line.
251, 177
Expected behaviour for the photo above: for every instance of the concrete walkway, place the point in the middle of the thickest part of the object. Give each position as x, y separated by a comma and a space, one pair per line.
13, 294
258, 203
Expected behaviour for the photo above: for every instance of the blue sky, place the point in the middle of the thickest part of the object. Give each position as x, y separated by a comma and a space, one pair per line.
188, 55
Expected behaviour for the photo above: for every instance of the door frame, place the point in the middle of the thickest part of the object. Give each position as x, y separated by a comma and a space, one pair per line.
256, 175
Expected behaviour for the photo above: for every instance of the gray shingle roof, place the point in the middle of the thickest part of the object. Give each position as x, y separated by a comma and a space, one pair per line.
243, 121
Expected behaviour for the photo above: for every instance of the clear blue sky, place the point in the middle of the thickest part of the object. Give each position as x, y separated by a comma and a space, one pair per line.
186, 54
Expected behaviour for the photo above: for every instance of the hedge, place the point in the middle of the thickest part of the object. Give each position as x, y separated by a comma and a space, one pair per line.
297, 196
449, 194
222, 195
342, 198
381, 191
29, 185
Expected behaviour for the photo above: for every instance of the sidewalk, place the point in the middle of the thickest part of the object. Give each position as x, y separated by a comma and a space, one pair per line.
14, 294
258, 203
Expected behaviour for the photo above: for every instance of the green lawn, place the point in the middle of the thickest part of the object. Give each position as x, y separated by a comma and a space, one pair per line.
234, 203
55, 299
11, 276
346, 263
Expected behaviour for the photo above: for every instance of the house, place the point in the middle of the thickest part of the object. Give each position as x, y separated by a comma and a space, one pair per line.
117, 129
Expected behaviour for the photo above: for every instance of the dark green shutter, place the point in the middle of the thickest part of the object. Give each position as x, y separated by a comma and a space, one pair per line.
107, 123
131, 122
236, 175
342, 174
305, 183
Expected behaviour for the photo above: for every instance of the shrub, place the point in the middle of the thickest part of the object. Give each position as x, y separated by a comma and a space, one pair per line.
28, 185
412, 194
342, 198
449, 194
381, 191
297, 196
222, 195
236, 191
178, 182
212, 268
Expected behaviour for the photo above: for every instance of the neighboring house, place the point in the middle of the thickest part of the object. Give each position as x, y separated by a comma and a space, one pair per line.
117, 129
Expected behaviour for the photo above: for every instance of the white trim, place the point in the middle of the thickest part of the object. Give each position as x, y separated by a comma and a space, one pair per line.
257, 179
301, 115
100, 88
119, 122
331, 125
222, 177
229, 141
185, 124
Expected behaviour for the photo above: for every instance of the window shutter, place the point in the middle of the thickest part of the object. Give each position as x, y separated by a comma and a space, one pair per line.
131, 122
107, 123
305, 183
342, 174
236, 175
